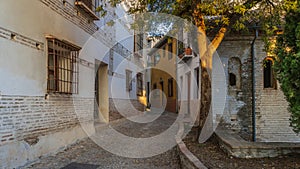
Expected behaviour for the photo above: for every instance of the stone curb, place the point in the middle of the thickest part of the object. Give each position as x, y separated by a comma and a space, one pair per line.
236, 146
193, 162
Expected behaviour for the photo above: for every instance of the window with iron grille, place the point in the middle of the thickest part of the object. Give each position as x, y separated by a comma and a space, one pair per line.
128, 80
62, 66
138, 47
139, 84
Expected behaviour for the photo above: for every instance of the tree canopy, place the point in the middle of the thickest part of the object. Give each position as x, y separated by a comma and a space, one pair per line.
287, 63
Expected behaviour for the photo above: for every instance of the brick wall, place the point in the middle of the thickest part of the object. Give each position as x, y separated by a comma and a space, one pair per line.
272, 116
27, 118
238, 100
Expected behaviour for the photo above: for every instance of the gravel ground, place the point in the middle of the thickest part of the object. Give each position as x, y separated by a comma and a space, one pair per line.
213, 157
88, 155
87, 152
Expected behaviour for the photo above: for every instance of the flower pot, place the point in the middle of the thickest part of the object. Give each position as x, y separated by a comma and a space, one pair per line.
188, 51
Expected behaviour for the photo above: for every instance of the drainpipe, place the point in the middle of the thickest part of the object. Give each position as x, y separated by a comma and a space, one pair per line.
176, 73
253, 55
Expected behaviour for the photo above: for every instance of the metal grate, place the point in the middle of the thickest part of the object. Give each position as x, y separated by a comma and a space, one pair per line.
138, 47
89, 4
62, 67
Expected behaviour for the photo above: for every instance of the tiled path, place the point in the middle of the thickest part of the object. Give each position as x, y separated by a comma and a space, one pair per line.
88, 155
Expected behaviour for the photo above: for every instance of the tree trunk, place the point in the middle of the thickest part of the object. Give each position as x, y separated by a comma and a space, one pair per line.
206, 61
205, 101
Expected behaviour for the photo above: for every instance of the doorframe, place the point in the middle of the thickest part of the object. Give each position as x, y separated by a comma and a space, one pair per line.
188, 80
101, 113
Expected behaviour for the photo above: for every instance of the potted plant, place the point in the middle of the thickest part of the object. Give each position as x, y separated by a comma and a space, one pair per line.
188, 51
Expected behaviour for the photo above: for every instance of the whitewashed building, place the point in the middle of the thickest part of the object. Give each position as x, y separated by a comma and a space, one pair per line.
57, 60
188, 81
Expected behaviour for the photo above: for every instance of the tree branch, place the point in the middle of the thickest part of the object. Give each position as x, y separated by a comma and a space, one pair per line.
223, 30
215, 43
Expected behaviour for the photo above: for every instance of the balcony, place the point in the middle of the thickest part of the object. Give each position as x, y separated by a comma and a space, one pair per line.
88, 6
187, 55
184, 58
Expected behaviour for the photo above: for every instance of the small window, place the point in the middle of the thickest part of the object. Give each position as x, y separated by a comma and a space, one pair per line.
170, 87
232, 79
128, 80
62, 66
234, 73
164, 51
170, 49
139, 85
162, 86
269, 78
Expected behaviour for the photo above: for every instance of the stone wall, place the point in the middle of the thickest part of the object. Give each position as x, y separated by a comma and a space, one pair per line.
272, 116
237, 114
27, 120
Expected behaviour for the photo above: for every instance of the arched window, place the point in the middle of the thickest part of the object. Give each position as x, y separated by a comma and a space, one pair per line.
269, 78
234, 73
232, 79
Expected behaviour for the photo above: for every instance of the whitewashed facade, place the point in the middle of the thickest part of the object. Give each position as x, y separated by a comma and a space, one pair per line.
53, 54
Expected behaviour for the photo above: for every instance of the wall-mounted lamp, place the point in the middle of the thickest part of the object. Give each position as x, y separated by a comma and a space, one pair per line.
157, 58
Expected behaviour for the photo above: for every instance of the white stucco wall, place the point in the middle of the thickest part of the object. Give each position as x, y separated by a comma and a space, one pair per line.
183, 70
23, 69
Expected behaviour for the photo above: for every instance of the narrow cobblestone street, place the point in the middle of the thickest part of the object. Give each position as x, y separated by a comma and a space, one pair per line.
86, 154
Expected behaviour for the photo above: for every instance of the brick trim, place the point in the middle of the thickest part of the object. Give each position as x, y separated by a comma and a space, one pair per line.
21, 39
